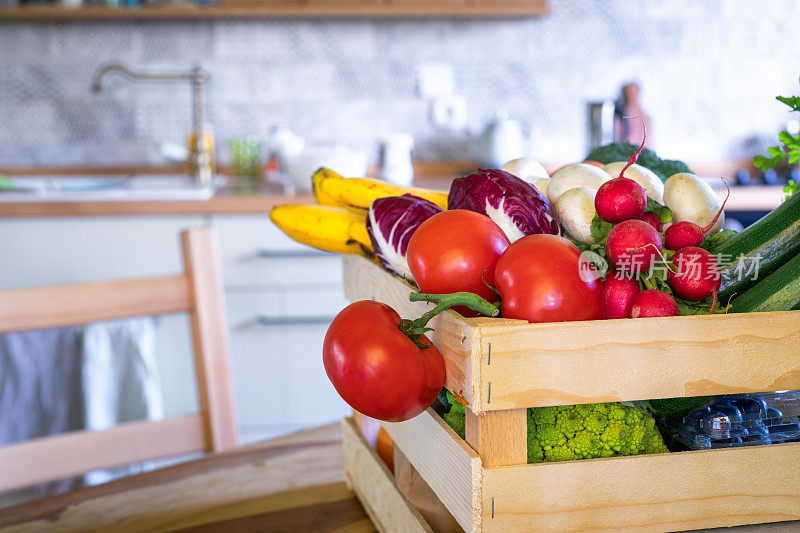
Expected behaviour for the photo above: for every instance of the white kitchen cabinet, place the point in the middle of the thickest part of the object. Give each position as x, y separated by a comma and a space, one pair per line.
254, 252
281, 297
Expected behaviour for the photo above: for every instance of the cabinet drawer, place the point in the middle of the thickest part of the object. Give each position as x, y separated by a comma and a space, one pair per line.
254, 252
276, 357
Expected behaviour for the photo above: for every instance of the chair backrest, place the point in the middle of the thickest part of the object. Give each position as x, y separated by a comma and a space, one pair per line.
198, 290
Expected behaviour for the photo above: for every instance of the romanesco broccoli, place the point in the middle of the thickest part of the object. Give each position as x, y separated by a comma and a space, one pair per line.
591, 430
582, 431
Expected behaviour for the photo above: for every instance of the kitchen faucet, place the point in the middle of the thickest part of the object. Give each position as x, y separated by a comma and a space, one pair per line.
200, 158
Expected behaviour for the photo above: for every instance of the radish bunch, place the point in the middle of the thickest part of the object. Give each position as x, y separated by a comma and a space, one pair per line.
634, 244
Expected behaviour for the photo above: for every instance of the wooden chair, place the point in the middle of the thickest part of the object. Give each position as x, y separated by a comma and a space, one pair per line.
197, 290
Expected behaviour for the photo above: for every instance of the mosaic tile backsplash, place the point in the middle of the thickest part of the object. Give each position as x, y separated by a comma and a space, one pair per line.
709, 73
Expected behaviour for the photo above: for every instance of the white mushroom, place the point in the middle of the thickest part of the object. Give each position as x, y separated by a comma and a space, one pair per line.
649, 180
575, 209
692, 199
526, 169
541, 185
573, 176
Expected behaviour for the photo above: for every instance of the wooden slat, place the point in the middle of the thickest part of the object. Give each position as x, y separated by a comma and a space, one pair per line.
72, 454
665, 492
510, 364
373, 483
499, 437
619, 360
210, 339
364, 280
47, 307
284, 8
447, 464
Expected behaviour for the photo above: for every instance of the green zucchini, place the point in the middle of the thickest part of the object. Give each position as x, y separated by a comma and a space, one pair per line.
676, 407
780, 291
774, 239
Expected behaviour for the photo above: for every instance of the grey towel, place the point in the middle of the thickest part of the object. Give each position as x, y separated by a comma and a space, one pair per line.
40, 383
40, 389
87, 377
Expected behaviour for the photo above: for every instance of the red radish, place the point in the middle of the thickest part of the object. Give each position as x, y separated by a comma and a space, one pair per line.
697, 276
620, 199
651, 303
686, 233
632, 246
618, 292
654, 220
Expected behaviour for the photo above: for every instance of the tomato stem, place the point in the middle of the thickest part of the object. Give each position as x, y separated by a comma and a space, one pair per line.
414, 329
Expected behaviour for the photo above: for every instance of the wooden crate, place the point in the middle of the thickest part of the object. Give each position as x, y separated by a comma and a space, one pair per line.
664, 492
501, 367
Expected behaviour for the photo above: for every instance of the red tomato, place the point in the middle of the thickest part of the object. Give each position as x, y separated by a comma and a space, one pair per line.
538, 281
456, 251
377, 369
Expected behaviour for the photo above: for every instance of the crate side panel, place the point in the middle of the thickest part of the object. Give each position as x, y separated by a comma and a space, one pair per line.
445, 462
618, 360
452, 335
374, 485
664, 492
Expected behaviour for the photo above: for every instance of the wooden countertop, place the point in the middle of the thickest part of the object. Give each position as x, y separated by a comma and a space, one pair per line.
225, 202
231, 200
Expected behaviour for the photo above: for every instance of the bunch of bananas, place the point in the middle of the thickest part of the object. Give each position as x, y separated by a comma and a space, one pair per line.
337, 223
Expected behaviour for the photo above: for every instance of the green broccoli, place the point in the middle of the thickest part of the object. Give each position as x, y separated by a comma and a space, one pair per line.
668, 167
621, 151
582, 431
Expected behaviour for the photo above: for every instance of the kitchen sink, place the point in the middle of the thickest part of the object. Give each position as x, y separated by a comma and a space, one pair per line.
105, 188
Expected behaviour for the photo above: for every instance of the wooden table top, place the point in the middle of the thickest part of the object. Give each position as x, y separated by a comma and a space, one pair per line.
292, 483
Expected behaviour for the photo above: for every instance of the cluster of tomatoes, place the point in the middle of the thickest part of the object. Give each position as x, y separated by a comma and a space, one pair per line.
386, 367
385, 374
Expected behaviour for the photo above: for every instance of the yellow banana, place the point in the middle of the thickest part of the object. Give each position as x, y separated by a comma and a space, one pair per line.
357, 194
328, 228
320, 181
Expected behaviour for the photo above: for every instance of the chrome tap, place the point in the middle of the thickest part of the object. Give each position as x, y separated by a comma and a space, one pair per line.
200, 159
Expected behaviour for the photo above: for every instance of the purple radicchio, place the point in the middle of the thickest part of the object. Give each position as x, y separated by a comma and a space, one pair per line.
513, 204
391, 222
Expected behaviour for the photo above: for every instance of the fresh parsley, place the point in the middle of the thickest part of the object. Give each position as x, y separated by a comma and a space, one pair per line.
788, 150
791, 188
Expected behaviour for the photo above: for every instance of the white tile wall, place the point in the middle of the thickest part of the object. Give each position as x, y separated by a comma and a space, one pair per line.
709, 72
